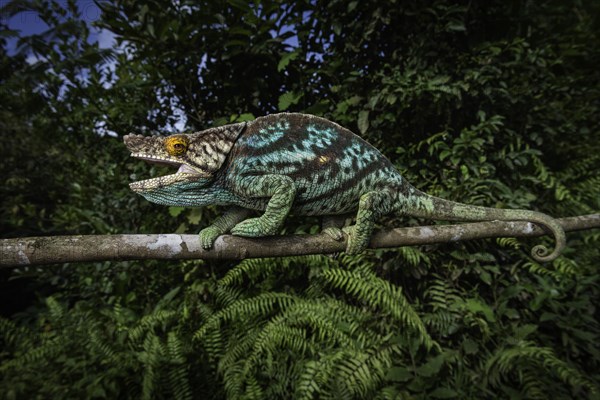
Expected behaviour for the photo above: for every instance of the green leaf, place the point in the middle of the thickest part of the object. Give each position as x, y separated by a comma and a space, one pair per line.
486, 277
244, 117
398, 374
175, 211
182, 228
456, 26
470, 346
432, 367
443, 393
363, 121
547, 316
285, 60
287, 99
444, 154
195, 216
476, 306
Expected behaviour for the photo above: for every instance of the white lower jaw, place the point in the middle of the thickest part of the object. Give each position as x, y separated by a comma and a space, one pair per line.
161, 181
184, 173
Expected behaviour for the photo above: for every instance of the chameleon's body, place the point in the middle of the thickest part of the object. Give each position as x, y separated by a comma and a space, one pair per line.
300, 164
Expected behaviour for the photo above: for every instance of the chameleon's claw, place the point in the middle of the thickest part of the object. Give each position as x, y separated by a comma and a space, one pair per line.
208, 236
255, 227
333, 232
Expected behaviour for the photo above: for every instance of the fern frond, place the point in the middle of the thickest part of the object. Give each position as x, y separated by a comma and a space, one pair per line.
533, 387
261, 305
507, 360
316, 375
239, 346
177, 373
440, 294
258, 269
379, 294
561, 270
175, 348
227, 295
97, 345
327, 322
253, 390
56, 310
392, 393
213, 344
154, 353
251, 268
414, 256
149, 322
440, 321
277, 336
233, 381
359, 373
47, 349
13, 336
510, 242
566, 267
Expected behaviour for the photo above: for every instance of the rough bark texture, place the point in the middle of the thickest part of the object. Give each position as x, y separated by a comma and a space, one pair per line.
64, 249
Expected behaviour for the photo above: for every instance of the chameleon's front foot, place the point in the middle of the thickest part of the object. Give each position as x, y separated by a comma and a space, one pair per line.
221, 226
256, 227
208, 236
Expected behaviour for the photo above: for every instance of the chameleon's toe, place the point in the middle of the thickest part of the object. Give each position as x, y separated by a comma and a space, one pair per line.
334, 233
255, 227
208, 237
354, 244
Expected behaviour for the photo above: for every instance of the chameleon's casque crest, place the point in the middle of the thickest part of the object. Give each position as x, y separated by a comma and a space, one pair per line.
214, 145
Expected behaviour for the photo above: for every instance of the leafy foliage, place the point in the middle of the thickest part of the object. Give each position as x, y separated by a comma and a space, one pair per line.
491, 104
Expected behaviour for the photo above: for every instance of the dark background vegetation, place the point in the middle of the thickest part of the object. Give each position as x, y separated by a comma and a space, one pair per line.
492, 103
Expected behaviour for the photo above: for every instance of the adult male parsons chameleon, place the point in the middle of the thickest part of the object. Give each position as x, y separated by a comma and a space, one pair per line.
302, 164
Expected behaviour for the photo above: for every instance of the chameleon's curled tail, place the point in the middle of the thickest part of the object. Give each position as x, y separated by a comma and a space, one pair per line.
424, 205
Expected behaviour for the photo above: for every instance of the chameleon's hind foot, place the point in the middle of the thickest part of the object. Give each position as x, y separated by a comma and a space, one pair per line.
256, 227
370, 207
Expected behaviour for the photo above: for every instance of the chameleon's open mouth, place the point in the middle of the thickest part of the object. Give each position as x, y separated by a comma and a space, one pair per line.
185, 173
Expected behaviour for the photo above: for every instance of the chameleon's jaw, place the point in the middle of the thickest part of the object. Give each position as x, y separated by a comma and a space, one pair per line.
184, 174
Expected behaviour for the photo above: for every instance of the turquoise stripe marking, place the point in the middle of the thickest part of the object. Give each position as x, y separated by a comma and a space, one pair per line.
268, 135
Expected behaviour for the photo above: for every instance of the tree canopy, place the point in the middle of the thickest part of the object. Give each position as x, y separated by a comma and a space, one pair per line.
489, 103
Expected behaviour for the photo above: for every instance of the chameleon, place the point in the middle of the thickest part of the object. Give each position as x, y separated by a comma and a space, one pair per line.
301, 164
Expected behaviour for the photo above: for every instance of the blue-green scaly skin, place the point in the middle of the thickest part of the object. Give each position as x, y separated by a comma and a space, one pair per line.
306, 165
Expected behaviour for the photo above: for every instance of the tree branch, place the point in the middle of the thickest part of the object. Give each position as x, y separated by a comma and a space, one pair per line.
63, 249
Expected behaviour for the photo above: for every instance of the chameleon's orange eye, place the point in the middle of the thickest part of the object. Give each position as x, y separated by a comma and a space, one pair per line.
177, 145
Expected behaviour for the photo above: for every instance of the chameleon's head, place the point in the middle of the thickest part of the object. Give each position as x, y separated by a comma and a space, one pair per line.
198, 156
